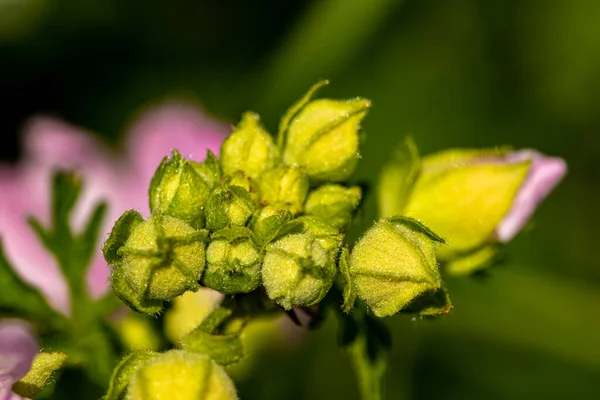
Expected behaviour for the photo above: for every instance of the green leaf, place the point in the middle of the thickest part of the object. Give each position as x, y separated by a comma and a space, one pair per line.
398, 178
66, 188
117, 388
21, 300
208, 338
41, 370
225, 349
368, 343
90, 236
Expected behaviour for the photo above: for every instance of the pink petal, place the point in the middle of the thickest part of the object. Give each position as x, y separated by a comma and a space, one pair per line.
545, 173
23, 249
174, 125
18, 348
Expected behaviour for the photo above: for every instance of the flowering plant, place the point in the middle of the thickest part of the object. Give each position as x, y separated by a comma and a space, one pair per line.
265, 225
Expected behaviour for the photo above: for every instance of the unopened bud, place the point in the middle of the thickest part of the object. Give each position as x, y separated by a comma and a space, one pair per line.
187, 376
267, 222
249, 148
233, 261
154, 260
228, 206
180, 188
297, 271
394, 265
334, 204
475, 198
323, 138
284, 187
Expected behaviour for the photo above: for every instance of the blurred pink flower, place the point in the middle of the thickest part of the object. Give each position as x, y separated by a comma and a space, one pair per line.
119, 178
18, 348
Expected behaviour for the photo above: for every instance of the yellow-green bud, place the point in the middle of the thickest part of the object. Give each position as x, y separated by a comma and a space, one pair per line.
326, 235
154, 260
333, 203
122, 287
297, 271
284, 187
182, 375
473, 198
394, 265
323, 138
267, 222
249, 148
240, 179
228, 206
233, 261
180, 188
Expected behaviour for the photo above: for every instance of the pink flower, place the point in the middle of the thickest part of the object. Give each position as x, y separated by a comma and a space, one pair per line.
120, 179
18, 348
544, 174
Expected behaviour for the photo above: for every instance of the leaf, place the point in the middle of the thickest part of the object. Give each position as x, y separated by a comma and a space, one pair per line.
225, 349
21, 300
117, 388
397, 179
368, 343
39, 374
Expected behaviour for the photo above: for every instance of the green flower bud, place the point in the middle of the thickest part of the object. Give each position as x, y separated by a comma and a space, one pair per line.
249, 148
154, 260
334, 204
122, 287
475, 199
240, 179
180, 188
394, 265
267, 222
326, 235
284, 187
187, 376
297, 271
233, 261
323, 138
227, 206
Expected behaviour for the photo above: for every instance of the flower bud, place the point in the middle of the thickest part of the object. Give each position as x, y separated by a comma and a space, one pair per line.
267, 222
333, 203
233, 261
474, 198
284, 187
326, 235
297, 271
240, 179
187, 376
154, 260
323, 138
249, 148
180, 188
394, 265
227, 206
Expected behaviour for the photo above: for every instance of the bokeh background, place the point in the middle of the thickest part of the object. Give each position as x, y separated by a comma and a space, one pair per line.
449, 73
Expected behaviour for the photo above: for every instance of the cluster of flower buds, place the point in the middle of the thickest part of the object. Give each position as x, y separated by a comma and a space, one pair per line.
266, 213
272, 214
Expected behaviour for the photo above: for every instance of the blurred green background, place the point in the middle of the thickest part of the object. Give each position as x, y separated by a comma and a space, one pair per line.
449, 73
